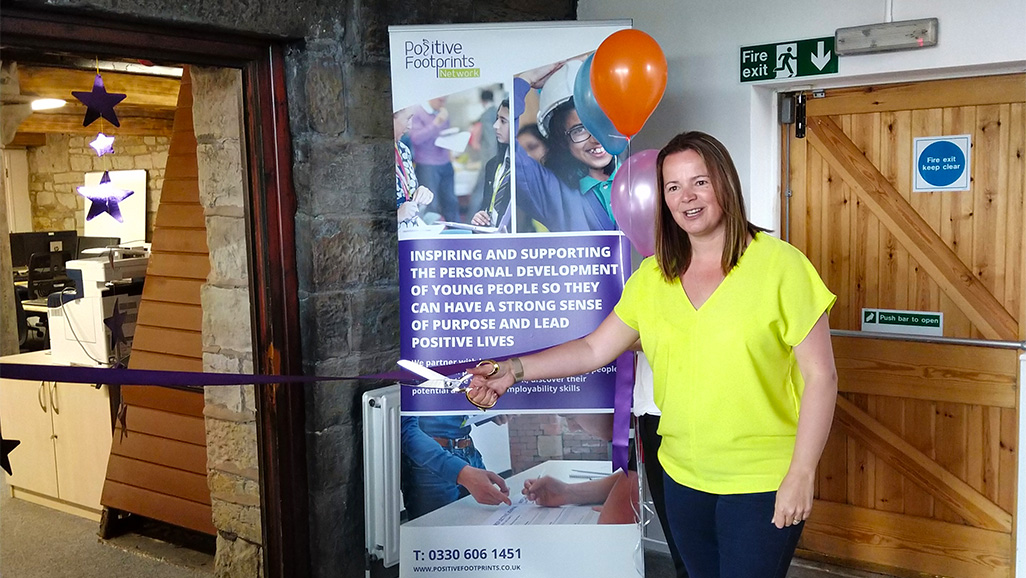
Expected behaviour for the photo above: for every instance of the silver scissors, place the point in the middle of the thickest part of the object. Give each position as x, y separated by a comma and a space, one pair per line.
436, 380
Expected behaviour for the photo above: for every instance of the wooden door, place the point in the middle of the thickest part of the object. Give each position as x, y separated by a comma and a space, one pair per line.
919, 473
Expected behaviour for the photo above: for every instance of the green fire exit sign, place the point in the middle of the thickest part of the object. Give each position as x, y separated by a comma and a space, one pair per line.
789, 59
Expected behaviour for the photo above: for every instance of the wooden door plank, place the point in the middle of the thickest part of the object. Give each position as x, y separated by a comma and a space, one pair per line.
895, 160
1015, 240
1008, 463
989, 200
890, 484
919, 468
832, 475
961, 374
952, 442
919, 423
954, 277
920, 95
958, 225
861, 465
916, 544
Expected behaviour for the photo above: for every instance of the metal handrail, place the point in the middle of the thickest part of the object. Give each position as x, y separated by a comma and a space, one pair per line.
930, 339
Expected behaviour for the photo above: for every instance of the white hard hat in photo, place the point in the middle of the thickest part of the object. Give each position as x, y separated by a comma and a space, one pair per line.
558, 89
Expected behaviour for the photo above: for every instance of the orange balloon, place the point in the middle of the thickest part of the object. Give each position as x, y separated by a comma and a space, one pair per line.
628, 78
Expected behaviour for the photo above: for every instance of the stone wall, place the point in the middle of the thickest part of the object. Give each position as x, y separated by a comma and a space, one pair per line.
536, 438
230, 412
58, 167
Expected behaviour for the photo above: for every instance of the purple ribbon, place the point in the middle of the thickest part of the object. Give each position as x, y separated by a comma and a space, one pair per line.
163, 378
622, 399
112, 376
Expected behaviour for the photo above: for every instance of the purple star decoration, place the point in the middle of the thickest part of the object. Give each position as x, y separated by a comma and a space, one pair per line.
116, 323
103, 144
99, 103
105, 198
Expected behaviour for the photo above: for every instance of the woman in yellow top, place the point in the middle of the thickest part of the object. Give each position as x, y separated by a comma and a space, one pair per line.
734, 323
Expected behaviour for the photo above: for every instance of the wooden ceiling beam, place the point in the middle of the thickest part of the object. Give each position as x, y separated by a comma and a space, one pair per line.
60, 82
134, 121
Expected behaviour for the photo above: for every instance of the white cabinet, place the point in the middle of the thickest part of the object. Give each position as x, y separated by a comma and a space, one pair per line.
65, 434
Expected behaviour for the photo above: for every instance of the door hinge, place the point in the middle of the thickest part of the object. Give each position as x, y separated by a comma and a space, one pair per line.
799, 115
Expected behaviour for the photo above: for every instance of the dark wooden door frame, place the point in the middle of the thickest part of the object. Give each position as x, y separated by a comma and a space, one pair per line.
271, 212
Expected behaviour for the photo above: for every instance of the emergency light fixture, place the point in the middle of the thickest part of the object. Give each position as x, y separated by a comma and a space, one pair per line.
886, 37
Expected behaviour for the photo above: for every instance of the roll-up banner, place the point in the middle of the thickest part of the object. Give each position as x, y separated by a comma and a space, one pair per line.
507, 245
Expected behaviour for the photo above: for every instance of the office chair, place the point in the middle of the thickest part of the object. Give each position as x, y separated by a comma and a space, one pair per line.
32, 329
46, 274
19, 315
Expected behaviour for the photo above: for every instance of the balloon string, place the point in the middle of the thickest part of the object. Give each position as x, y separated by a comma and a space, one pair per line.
630, 180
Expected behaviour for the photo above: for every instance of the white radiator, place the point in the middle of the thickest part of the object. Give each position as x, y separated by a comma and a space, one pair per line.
381, 473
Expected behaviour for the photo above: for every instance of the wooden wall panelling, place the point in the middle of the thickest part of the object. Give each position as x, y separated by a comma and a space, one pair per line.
142, 501
167, 362
159, 462
159, 479
164, 399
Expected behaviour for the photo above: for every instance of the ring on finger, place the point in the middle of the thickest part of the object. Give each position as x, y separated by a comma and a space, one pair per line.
493, 363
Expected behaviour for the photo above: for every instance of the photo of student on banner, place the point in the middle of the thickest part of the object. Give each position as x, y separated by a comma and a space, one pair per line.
441, 464
615, 497
496, 210
735, 325
570, 190
551, 469
441, 150
410, 197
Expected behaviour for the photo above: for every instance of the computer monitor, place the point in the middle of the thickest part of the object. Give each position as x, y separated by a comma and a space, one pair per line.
85, 243
23, 245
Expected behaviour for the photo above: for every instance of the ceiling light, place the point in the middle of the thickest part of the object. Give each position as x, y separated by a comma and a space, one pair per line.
47, 103
886, 37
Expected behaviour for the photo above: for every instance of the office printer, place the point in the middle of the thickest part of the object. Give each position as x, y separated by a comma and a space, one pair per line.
78, 334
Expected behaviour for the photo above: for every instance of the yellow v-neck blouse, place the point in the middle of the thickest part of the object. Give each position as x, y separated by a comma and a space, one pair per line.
726, 379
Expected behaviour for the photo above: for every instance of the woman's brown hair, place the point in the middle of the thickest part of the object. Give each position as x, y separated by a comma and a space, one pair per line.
673, 247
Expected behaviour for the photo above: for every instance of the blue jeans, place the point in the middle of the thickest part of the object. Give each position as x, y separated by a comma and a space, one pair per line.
441, 180
424, 491
729, 536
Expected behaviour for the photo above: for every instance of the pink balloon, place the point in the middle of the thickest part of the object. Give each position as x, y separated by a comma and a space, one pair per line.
634, 200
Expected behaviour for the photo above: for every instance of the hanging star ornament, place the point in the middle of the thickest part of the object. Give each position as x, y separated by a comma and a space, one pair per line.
103, 144
5, 448
99, 103
116, 323
105, 198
